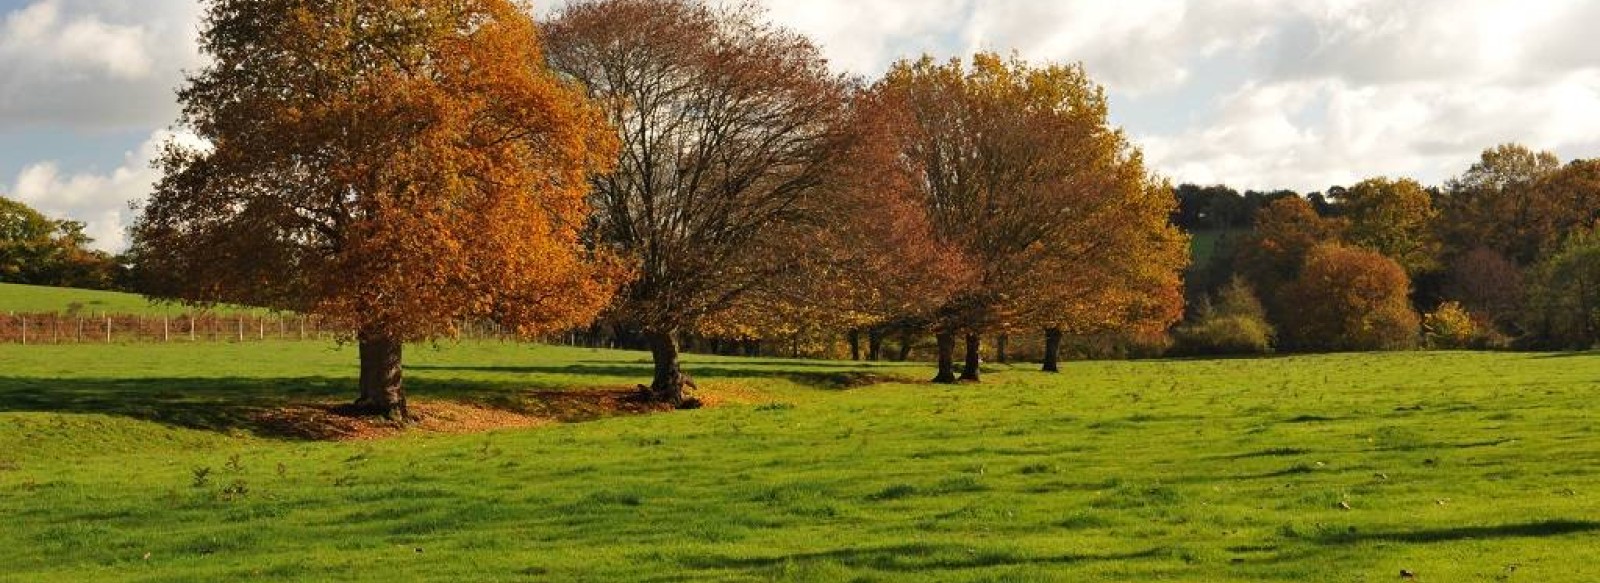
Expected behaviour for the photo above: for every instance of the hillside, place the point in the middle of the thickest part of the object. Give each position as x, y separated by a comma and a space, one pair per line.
39, 299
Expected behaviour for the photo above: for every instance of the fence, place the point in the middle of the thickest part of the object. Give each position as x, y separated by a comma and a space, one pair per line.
55, 328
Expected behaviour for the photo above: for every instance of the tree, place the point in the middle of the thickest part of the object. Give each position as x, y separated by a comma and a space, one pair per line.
1502, 202
1564, 294
1020, 171
1395, 218
392, 166
1488, 284
730, 129
1273, 255
1349, 299
37, 250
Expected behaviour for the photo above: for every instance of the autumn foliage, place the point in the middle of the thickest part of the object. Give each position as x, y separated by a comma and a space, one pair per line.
391, 166
1349, 299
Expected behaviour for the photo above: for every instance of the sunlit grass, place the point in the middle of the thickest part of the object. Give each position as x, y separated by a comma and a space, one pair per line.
1456, 466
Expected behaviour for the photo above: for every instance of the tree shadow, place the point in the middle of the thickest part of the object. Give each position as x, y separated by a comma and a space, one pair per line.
911, 558
1545, 528
232, 404
841, 379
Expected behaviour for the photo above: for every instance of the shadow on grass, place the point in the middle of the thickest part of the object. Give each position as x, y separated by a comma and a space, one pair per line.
1526, 530
245, 404
825, 380
911, 558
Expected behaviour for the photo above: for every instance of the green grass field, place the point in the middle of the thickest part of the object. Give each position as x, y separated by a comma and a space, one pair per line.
1455, 466
35, 299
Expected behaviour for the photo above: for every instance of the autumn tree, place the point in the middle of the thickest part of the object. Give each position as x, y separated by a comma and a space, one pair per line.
1520, 203
1349, 299
1395, 218
392, 166
1273, 254
1488, 284
1021, 172
730, 129
873, 260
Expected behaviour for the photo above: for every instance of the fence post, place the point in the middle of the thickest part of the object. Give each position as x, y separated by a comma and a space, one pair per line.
191, 327
166, 333
108, 328
79, 337
241, 327
24, 330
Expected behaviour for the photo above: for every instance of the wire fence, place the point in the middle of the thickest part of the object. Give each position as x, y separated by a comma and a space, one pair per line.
56, 328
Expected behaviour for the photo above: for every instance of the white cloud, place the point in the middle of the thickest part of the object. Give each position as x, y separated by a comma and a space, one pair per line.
103, 201
1253, 93
40, 32
93, 65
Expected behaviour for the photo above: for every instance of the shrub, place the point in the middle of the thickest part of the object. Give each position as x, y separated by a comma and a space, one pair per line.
1450, 326
1349, 299
1235, 323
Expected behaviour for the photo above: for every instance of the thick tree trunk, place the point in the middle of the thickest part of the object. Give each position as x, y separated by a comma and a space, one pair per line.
947, 358
874, 345
905, 346
667, 387
382, 390
1052, 350
855, 345
971, 372
1000, 348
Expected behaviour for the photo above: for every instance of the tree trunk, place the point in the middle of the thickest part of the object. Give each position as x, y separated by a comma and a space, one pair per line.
971, 371
667, 387
1000, 348
905, 346
947, 358
1052, 350
855, 345
874, 345
382, 390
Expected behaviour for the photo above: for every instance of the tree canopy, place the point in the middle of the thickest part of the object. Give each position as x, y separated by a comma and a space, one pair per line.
392, 166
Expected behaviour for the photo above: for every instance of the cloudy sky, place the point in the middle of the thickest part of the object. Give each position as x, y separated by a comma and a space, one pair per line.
1299, 94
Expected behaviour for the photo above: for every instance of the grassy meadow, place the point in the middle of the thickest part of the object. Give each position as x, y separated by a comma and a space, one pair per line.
33, 299
143, 462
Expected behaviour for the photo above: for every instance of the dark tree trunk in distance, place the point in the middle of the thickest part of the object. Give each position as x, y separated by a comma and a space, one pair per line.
1052, 350
874, 345
1000, 348
667, 387
383, 392
971, 371
947, 358
905, 346
855, 345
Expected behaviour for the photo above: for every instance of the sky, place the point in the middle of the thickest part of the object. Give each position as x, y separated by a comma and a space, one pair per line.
1255, 94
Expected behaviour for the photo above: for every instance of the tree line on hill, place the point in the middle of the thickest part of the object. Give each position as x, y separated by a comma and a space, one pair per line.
1504, 255
667, 169
38, 250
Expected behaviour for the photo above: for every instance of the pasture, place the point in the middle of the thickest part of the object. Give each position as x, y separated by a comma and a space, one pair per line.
150, 462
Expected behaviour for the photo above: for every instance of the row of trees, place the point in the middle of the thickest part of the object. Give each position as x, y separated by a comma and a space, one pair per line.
38, 250
1501, 250
664, 166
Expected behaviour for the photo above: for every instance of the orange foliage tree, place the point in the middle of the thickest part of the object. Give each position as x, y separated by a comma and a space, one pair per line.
1348, 298
1520, 203
1272, 255
1020, 172
393, 166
